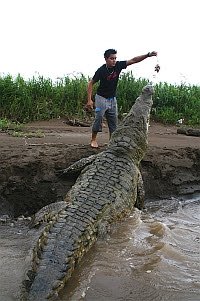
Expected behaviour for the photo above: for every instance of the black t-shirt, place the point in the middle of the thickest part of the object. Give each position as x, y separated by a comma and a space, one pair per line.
108, 79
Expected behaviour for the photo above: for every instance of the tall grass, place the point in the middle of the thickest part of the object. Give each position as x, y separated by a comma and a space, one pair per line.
128, 90
172, 103
39, 98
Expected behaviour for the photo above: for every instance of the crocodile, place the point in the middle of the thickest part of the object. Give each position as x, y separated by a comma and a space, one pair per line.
106, 191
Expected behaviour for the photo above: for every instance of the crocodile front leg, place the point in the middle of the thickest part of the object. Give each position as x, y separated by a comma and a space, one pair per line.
140, 192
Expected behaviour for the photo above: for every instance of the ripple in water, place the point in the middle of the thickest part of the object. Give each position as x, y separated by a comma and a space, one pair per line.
152, 256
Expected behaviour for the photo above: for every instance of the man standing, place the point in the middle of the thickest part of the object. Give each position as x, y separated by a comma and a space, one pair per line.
105, 99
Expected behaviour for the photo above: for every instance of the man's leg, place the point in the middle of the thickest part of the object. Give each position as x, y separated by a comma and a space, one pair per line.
93, 141
111, 116
99, 113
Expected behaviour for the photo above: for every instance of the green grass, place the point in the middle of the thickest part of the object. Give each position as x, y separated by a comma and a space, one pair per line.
40, 98
17, 130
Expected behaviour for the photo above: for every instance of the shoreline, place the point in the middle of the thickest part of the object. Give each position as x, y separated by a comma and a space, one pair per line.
29, 167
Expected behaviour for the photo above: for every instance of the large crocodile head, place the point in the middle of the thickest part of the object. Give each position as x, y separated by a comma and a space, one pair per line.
131, 135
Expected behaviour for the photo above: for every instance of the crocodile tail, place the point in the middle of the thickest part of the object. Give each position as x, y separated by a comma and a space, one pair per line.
59, 248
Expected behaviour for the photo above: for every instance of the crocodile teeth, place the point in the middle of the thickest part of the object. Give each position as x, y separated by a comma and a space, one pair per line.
56, 284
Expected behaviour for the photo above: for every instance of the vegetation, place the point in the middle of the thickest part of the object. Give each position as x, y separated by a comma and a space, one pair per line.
172, 103
17, 130
39, 99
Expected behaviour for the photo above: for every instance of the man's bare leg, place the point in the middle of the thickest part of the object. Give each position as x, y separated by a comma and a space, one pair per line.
93, 141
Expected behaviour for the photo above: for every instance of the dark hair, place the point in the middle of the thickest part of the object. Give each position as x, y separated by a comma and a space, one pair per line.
108, 52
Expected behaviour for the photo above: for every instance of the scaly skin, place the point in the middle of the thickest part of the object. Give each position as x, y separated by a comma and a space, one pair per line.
106, 191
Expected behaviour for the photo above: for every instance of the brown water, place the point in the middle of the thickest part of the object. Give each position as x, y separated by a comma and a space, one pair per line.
153, 255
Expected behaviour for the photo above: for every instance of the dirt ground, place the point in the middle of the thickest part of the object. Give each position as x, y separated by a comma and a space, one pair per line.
29, 167
57, 131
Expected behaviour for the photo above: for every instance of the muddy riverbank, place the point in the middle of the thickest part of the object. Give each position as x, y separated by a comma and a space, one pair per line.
29, 167
137, 250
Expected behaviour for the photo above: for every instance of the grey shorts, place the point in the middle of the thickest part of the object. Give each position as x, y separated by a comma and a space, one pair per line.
107, 107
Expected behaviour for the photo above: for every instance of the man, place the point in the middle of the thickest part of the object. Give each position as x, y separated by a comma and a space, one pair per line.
105, 99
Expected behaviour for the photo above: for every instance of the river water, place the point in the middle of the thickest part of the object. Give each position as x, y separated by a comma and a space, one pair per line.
153, 255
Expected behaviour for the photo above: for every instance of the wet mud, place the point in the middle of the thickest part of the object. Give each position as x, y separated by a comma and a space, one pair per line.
30, 178
30, 169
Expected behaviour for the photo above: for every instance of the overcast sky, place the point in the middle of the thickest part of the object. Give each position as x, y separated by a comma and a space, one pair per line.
58, 37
